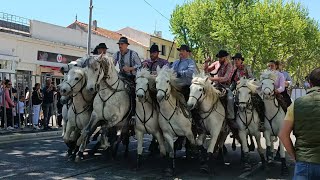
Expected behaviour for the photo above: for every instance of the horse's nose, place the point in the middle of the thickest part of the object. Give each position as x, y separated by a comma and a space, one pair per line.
91, 89
189, 106
139, 96
160, 97
64, 90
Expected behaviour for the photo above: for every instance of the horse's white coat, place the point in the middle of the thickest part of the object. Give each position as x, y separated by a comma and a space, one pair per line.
147, 109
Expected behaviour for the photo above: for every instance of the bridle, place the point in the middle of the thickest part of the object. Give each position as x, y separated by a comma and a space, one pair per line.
271, 90
203, 93
248, 104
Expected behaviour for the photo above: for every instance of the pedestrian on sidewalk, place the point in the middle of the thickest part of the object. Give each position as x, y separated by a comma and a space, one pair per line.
8, 104
21, 107
47, 104
36, 105
303, 118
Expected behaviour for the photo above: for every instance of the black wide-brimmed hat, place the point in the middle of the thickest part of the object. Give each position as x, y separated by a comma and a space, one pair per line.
102, 45
238, 56
184, 47
222, 53
123, 40
154, 48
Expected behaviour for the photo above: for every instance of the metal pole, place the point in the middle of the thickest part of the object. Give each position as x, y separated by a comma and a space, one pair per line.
89, 29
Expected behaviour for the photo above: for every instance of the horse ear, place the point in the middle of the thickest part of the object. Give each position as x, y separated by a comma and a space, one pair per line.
252, 85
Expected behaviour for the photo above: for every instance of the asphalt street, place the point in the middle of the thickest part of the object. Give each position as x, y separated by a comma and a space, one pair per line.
45, 159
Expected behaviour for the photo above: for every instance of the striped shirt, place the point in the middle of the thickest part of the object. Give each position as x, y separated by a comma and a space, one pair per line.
129, 59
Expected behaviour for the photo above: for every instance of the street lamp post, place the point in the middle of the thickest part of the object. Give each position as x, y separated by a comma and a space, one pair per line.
89, 29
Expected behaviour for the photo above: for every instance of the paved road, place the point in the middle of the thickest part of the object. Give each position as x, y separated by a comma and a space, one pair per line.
45, 159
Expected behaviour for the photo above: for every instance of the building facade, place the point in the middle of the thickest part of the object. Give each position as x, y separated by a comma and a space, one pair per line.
168, 48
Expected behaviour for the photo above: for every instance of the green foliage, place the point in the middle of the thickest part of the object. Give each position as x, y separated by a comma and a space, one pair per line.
261, 30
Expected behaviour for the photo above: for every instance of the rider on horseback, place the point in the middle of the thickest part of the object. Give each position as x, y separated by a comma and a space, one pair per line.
224, 80
279, 85
242, 70
129, 62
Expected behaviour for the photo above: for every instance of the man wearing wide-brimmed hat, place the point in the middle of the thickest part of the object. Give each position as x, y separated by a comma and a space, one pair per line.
224, 79
239, 70
129, 62
101, 48
154, 60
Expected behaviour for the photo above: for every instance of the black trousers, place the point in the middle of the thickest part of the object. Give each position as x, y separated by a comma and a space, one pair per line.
286, 97
9, 117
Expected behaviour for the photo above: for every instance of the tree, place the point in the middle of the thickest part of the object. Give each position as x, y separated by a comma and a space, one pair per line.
260, 30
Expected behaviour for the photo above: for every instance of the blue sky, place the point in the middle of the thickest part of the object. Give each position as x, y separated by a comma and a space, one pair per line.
111, 14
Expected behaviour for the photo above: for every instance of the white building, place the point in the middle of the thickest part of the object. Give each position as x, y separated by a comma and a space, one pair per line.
39, 48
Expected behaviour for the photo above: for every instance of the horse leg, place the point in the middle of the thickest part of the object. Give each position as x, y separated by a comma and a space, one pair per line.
222, 139
190, 145
84, 137
260, 149
205, 160
251, 146
284, 167
126, 141
170, 171
269, 153
158, 135
244, 144
139, 135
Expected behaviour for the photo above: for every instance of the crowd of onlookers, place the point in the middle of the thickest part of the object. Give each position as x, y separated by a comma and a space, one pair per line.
15, 103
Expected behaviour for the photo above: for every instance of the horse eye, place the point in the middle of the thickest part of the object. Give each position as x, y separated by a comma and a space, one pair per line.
168, 81
200, 89
96, 69
76, 79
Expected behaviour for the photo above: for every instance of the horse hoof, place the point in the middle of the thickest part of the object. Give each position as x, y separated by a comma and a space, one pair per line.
205, 168
246, 168
77, 159
91, 153
169, 172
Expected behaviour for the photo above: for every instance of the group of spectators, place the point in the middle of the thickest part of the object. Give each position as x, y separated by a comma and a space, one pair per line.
14, 101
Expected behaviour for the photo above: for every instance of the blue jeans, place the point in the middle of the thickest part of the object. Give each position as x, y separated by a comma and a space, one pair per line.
306, 171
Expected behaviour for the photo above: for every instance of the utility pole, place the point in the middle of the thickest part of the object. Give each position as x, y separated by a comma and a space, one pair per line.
89, 29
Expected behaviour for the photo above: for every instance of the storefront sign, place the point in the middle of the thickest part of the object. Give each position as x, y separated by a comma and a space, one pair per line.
54, 57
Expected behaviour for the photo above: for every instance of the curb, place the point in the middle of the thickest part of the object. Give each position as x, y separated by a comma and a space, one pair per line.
21, 136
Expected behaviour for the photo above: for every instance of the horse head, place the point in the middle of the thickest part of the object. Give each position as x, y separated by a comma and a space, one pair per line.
165, 76
96, 70
74, 83
268, 79
243, 94
200, 87
142, 84
66, 67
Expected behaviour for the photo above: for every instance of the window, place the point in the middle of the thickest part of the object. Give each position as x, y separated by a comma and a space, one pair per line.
173, 51
163, 50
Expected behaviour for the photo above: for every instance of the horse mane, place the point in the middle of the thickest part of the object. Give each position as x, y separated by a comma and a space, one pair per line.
210, 90
268, 75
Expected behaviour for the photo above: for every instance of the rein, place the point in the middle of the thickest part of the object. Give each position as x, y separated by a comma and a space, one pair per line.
144, 120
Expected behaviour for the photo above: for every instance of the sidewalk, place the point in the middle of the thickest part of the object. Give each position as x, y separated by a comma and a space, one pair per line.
27, 133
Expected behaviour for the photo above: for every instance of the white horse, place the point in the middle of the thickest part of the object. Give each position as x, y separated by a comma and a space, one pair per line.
173, 119
206, 98
248, 121
147, 111
110, 105
274, 116
81, 107
77, 63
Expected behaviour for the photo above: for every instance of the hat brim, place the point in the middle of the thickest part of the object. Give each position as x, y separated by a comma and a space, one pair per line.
153, 51
221, 56
123, 43
183, 49
234, 57
100, 47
